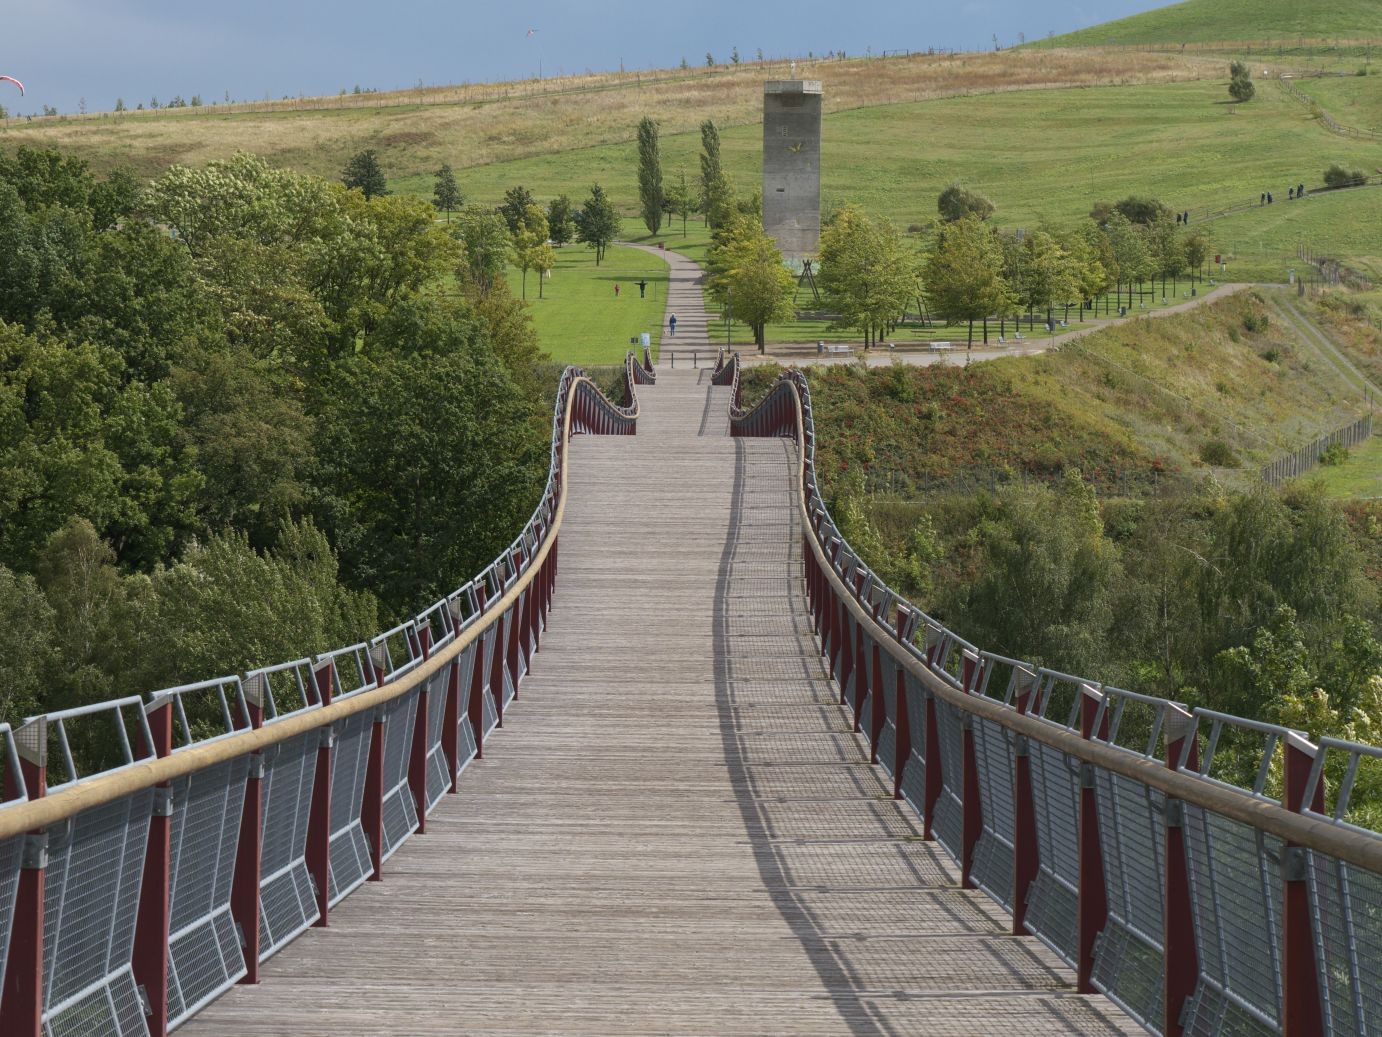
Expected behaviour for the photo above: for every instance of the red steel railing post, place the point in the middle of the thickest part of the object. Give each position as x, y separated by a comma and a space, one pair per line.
935, 778
21, 1003
372, 808
150, 957
475, 705
1180, 960
1026, 852
496, 669
972, 812
244, 888
877, 712
1302, 1007
417, 757
902, 754
319, 817
1092, 899
846, 650
451, 718
861, 676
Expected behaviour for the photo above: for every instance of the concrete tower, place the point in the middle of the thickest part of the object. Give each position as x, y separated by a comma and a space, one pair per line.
792, 166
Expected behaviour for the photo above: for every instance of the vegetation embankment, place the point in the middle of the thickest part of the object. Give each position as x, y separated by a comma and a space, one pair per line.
1215, 21
268, 435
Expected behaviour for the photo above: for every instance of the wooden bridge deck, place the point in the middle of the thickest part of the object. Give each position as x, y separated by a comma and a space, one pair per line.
676, 832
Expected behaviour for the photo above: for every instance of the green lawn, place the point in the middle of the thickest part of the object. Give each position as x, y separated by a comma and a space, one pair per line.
1359, 476
1197, 21
1352, 100
1043, 156
579, 320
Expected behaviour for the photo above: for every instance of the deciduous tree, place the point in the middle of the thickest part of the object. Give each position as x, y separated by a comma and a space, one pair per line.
597, 223
650, 193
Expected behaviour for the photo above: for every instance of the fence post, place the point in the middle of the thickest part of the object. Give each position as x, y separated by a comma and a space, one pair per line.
451, 719
1180, 960
21, 1004
861, 676
972, 811
1302, 1008
902, 754
877, 712
417, 757
372, 808
1026, 850
1092, 899
150, 957
319, 818
244, 889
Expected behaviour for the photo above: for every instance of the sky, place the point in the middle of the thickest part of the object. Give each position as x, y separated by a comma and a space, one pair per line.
70, 52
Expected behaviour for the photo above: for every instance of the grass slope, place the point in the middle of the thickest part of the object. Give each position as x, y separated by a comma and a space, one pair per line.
1212, 21
1042, 156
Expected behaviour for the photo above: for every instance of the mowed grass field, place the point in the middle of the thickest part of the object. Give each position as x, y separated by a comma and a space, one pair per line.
579, 320
1359, 476
1044, 157
1203, 21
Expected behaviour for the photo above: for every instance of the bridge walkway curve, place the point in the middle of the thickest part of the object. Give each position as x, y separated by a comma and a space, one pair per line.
676, 831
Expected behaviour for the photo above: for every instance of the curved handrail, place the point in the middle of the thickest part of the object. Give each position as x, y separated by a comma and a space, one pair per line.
785, 410
468, 612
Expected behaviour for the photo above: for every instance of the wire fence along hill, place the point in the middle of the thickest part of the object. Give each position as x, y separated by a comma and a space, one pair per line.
1307, 457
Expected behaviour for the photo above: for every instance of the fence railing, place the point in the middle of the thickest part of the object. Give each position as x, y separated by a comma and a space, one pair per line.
240, 810
1330, 123
1199, 869
1298, 462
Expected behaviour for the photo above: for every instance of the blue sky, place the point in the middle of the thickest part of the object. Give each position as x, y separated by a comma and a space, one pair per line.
67, 50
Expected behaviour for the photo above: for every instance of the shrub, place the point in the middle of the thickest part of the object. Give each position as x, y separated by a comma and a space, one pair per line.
1256, 322
1334, 454
1218, 454
1337, 176
1272, 356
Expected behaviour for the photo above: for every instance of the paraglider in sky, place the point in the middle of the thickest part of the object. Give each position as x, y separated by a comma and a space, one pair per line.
11, 79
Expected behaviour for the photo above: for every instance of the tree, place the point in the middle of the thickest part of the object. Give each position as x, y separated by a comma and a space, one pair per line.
597, 223
1197, 249
26, 637
1129, 250
956, 202
119, 104
716, 192
734, 58
747, 275
650, 194
560, 226
963, 275
682, 199
529, 244
1045, 273
363, 173
868, 275
1240, 85
1338, 176
486, 245
515, 207
446, 195
709, 60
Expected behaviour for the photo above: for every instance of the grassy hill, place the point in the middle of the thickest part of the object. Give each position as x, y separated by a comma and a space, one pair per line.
1215, 21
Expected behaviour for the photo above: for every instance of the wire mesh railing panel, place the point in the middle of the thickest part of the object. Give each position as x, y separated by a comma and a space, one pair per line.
90, 904
1235, 888
400, 810
489, 715
438, 771
1347, 902
1051, 906
349, 850
948, 823
203, 949
287, 899
992, 869
914, 773
1128, 962
11, 851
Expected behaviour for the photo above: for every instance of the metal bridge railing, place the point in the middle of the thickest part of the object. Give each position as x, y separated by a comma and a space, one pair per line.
227, 817
1204, 891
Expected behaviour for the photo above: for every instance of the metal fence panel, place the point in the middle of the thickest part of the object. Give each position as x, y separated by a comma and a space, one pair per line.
349, 852
437, 770
287, 897
90, 904
914, 774
992, 869
204, 956
400, 810
11, 851
948, 824
1128, 962
1347, 902
1235, 886
1051, 906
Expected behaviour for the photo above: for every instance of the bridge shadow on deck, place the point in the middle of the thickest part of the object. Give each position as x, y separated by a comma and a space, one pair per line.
836, 920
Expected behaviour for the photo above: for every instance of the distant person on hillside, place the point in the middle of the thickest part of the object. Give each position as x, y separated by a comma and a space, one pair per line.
1262, 198
1269, 197
1187, 217
1290, 194
642, 287
1178, 220
616, 291
1300, 190
672, 326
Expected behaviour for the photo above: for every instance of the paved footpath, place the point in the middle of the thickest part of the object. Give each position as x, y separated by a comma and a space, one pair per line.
675, 832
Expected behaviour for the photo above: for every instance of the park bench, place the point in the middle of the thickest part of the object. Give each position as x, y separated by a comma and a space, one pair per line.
941, 347
840, 347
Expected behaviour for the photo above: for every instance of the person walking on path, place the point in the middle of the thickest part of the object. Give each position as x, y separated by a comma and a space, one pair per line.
642, 287
672, 326
616, 291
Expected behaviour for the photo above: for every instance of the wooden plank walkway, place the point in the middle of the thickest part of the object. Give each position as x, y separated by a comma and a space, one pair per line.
675, 832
